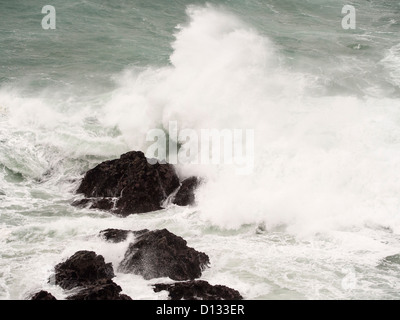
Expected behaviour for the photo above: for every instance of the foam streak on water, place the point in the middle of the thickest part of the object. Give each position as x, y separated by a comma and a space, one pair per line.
314, 220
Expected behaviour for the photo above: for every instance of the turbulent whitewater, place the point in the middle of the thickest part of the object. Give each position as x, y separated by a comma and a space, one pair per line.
320, 213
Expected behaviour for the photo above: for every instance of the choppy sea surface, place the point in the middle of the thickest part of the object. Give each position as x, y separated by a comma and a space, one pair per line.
318, 218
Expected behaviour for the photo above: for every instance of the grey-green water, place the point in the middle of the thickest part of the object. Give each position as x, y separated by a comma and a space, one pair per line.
320, 213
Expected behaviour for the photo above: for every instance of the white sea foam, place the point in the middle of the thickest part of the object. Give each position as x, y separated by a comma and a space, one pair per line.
392, 63
321, 161
324, 193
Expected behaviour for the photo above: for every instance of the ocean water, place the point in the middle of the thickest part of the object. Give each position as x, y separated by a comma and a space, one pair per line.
320, 213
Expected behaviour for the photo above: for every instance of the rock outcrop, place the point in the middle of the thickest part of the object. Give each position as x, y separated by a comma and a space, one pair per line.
186, 193
198, 290
128, 185
160, 253
82, 269
88, 272
100, 290
43, 295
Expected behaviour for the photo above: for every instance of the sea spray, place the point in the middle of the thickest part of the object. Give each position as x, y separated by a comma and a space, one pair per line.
319, 160
318, 217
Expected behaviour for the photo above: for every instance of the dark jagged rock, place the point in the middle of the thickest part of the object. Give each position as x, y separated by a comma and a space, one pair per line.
95, 203
117, 235
82, 269
135, 185
160, 253
100, 290
87, 271
198, 290
43, 295
186, 193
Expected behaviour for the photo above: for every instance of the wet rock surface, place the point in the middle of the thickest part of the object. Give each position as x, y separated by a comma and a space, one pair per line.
43, 295
128, 185
198, 290
91, 275
152, 254
100, 290
82, 269
95, 203
186, 193
160, 253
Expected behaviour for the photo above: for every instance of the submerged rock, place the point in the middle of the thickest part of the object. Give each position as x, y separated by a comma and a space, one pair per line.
186, 193
394, 259
160, 253
100, 290
43, 295
82, 269
118, 235
198, 290
390, 263
128, 185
